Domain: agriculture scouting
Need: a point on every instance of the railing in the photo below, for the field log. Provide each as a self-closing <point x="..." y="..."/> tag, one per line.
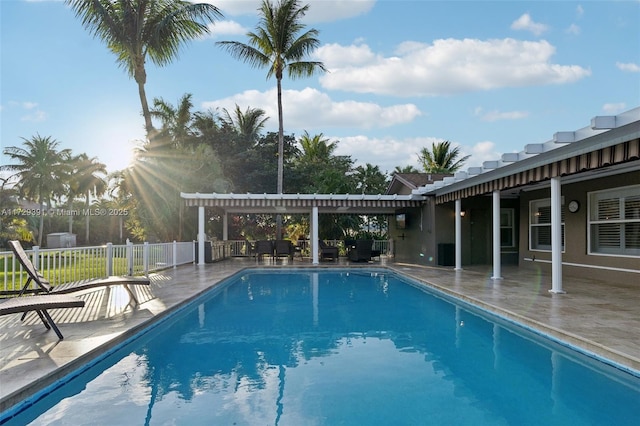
<point x="243" y="248"/>
<point x="79" y="263"/>
<point x="73" y="264"/>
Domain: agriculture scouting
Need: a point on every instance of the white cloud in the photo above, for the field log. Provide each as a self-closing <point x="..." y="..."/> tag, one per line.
<point x="614" y="108"/>
<point x="527" y="24"/>
<point x="579" y="11"/>
<point x="35" y="116"/>
<point x="629" y="67"/>
<point x="496" y="115"/>
<point x="573" y="29"/>
<point x="389" y="153"/>
<point x="29" y="105"/>
<point x="310" y="109"/>
<point x="344" y="56"/>
<point x="445" y="67"/>
<point x="480" y="152"/>
<point x="227" y="28"/>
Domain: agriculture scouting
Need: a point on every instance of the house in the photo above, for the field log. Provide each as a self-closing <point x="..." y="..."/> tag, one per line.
<point x="569" y="205"/>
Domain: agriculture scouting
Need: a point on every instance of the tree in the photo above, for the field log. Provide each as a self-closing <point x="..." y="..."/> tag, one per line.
<point x="177" y="121"/>
<point x="370" y="180"/>
<point x="86" y="179"/>
<point x="41" y="171"/>
<point x="441" y="158"/>
<point x="140" y="30"/>
<point x="247" y="125"/>
<point x="405" y="169"/>
<point x="277" y="45"/>
<point x="316" y="150"/>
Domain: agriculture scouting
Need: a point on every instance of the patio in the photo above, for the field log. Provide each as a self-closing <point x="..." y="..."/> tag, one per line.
<point x="594" y="315"/>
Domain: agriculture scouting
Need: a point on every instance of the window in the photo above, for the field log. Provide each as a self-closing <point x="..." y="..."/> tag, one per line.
<point x="614" y="221"/>
<point x="507" y="228"/>
<point x="540" y="225"/>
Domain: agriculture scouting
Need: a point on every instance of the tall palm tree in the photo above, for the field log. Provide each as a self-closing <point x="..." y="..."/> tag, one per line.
<point x="86" y="179"/>
<point x="41" y="171"/>
<point x="247" y="124"/>
<point x="441" y="158"/>
<point x="140" y="30"/>
<point x="278" y="45"/>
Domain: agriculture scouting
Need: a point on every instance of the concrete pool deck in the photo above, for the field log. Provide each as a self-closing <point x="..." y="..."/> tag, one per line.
<point x="601" y="318"/>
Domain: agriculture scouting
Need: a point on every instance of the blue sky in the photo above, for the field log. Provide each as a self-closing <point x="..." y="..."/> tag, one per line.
<point x="489" y="76"/>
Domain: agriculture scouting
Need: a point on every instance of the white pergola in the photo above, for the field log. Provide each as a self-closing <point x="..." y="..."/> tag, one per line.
<point x="312" y="204"/>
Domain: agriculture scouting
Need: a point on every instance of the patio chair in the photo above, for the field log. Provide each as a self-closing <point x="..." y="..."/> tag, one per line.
<point x="284" y="248"/>
<point x="361" y="251"/>
<point x="40" y="304"/>
<point x="327" y="251"/>
<point x="71" y="287"/>
<point x="264" y="247"/>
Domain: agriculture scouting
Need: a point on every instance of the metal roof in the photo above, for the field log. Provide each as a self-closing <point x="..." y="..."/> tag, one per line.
<point x="302" y="203"/>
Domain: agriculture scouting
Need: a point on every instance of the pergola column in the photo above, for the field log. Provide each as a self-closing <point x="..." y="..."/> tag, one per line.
<point x="314" y="236"/>
<point x="201" y="235"/>
<point x="556" y="236"/>
<point x="458" y="222"/>
<point x="497" y="265"/>
<point x="225" y="226"/>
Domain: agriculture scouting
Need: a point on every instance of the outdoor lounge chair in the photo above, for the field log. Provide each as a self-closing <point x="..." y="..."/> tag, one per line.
<point x="327" y="251"/>
<point x="264" y="247"/>
<point x="284" y="248"/>
<point x="361" y="251"/>
<point x="40" y="304"/>
<point x="71" y="287"/>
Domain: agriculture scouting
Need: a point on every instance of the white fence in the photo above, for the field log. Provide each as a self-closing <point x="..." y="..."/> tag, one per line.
<point x="79" y="263"/>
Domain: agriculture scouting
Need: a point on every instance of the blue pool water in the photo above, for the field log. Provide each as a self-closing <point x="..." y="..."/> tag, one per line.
<point x="338" y="347"/>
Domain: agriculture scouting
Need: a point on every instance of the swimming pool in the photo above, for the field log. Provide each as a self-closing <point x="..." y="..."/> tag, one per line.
<point x="326" y="347"/>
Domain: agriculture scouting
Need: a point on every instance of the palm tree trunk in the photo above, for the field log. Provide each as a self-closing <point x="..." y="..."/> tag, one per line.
<point x="280" y="156"/>
<point x="41" y="230"/>
<point x="70" y="215"/>
<point x="280" y="140"/>
<point x="148" y="125"/>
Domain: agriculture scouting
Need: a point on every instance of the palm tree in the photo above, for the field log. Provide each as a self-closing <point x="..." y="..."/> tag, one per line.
<point x="41" y="171"/>
<point x="140" y="30"/>
<point x="86" y="179"/>
<point x="276" y="44"/>
<point x="176" y="121"/>
<point x="441" y="158"/>
<point x="247" y="124"/>
<point x="316" y="150"/>
<point x="405" y="169"/>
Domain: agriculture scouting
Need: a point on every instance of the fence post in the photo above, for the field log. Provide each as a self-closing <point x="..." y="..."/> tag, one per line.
<point x="145" y="257"/>
<point x="175" y="253"/>
<point x="36" y="256"/>
<point x="130" y="257"/>
<point x="109" y="259"/>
